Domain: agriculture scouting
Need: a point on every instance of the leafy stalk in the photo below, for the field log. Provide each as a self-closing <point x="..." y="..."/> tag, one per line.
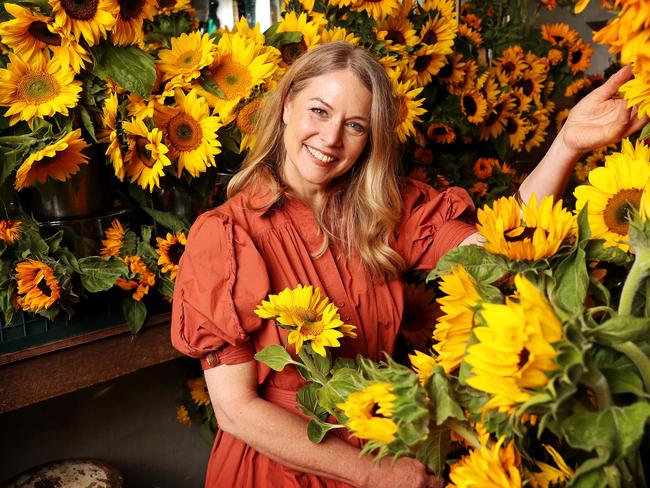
<point x="462" y="429"/>
<point x="309" y="364"/>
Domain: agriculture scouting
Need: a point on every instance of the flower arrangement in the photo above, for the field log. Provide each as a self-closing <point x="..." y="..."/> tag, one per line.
<point x="538" y="373"/>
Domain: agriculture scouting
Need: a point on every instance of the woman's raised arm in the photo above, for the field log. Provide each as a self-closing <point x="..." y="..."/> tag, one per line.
<point x="282" y="436"/>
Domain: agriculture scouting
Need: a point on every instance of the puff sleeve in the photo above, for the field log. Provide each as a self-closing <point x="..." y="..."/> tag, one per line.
<point x="432" y="223"/>
<point x="220" y="280"/>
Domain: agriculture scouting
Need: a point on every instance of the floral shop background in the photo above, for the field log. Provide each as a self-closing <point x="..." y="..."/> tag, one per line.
<point x="120" y="123"/>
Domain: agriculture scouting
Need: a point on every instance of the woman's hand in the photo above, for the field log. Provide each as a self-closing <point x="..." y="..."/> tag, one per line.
<point x="406" y="472"/>
<point x="599" y="119"/>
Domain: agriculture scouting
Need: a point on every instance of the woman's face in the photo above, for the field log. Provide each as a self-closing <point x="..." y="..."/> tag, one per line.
<point x="327" y="127"/>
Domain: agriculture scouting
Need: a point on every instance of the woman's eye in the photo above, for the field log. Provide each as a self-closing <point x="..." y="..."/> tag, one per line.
<point x="318" y="111"/>
<point x="357" y="127"/>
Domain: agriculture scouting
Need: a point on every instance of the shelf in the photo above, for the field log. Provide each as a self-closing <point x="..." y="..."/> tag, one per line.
<point x="48" y="370"/>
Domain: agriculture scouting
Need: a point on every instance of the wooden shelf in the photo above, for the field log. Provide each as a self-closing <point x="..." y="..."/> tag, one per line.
<point x="41" y="372"/>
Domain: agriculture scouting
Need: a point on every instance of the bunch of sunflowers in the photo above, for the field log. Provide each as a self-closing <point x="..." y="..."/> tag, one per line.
<point x="538" y="370"/>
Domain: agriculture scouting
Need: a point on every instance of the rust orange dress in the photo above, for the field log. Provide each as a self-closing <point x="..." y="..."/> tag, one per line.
<point x="236" y="256"/>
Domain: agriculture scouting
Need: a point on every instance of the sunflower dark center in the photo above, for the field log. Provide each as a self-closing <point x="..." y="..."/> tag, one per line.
<point x="558" y="39"/>
<point x="519" y="234"/>
<point x="145" y="154"/>
<point x="80" y="9"/>
<point x="39" y="30"/>
<point x="494" y="115"/>
<point x="37" y="88"/>
<point x="441" y="131"/>
<point x="292" y="51"/>
<point x="469" y="104"/>
<point x="44" y="288"/>
<point x="166" y="3"/>
<point x="524" y="355"/>
<point x="526" y="85"/>
<point x="446" y="71"/>
<point x="374" y="411"/>
<point x="576" y="56"/>
<point x="175" y="252"/>
<point x="508" y="67"/>
<point x="512" y="126"/>
<point x="396" y="36"/>
<point x="422" y="63"/>
<point x="130" y="9"/>
<point x="430" y="37"/>
<point x="184" y="132"/>
<point x="618" y="209"/>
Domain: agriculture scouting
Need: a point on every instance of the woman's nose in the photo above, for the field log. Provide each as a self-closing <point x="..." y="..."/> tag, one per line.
<point x="331" y="133"/>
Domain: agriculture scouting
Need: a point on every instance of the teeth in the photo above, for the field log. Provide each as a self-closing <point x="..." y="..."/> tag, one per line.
<point x="319" y="155"/>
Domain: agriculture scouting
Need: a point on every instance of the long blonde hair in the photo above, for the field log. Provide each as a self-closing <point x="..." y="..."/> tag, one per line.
<point x="363" y="205"/>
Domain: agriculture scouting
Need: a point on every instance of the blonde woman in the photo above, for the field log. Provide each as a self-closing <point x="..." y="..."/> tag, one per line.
<point x="319" y="202"/>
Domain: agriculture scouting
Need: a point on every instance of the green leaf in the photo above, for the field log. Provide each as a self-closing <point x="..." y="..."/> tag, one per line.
<point x="317" y="428"/>
<point x="275" y="357"/>
<point x="54" y="242"/>
<point x="278" y="39"/>
<point x="165" y="286"/>
<point x="343" y="382"/>
<point x="621" y="328"/>
<point x="308" y="401"/>
<point x="645" y="133"/>
<point x="168" y="220"/>
<point x="211" y="86"/>
<point x="9" y="160"/>
<point x="99" y="274"/>
<point x="484" y="266"/>
<point x="433" y="452"/>
<point x="596" y="251"/>
<point x="129" y="67"/>
<point x="572" y="281"/>
<point x="87" y="121"/>
<point x="5" y="303"/>
<point x="625" y="380"/>
<point x="135" y="313"/>
<point x="584" y="231"/>
<point x="444" y="403"/>
<point x="617" y="430"/>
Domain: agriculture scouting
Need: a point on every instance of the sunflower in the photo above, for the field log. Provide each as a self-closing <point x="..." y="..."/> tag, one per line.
<point x="536" y="235"/>
<point x="531" y="83"/>
<point x="444" y="8"/>
<point x="189" y="54"/>
<point x="441" y="133"/>
<point x="555" y="56"/>
<point x="90" y="19"/>
<point x="190" y="132"/>
<point x="10" y="230"/>
<point x="474" y="106"/>
<point x="613" y="191"/>
<point x="454" y="328"/>
<point x="338" y="34"/>
<point x="539" y="121"/>
<point x="439" y="32"/>
<point x="474" y="37"/>
<point x="112" y="245"/>
<point x="143" y="278"/>
<point x="39" y="88"/>
<point x="493" y="466"/>
<point x="29" y="33"/>
<point x="479" y="189"/>
<point x="637" y="92"/>
<point x="550" y="475"/>
<point x="130" y="18"/>
<point x="199" y="391"/>
<point x="510" y="65"/>
<point x="559" y="34"/>
<point x="377" y="9"/>
<point x="483" y="167"/>
<point x="467" y="80"/>
<point x="168" y="7"/>
<point x="579" y="56"/>
<point x="290" y="22"/>
<point x="247" y="121"/>
<point x="170" y="249"/>
<point x="517" y="128"/>
<point x="410" y="108"/>
<point x="38" y="286"/>
<point x="183" y="416"/>
<point x="514" y="350"/>
<point x="110" y="135"/>
<point x="308" y="316"/>
<point x="452" y="73"/>
<point x="397" y="32"/>
<point x="425" y="63"/>
<point x="497" y="117"/>
<point x="422" y="364"/>
<point x="472" y="20"/>
<point x="370" y="412"/>
<point x="239" y="67"/>
<point x="58" y="161"/>
<point x="146" y="156"/>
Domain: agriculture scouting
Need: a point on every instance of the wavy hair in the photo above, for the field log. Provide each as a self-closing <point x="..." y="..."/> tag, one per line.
<point x="361" y="207"/>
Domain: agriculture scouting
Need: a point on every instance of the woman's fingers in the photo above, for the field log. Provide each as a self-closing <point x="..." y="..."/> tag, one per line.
<point x="608" y="89"/>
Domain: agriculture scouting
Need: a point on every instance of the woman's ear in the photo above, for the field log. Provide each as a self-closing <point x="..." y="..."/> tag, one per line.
<point x="286" y="111"/>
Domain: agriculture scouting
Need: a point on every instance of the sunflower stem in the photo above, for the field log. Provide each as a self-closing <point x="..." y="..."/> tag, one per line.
<point x="309" y="364"/>
<point x="638" y="272"/>
<point x="597" y="382"/>
<point x="463" y="430"/>
<point x="639" y="358"/>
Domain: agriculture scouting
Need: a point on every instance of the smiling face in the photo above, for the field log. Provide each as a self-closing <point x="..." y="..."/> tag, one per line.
<point x="327" y="125"/>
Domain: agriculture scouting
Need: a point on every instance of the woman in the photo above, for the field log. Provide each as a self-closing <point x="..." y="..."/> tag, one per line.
<point x="318" y="202"/>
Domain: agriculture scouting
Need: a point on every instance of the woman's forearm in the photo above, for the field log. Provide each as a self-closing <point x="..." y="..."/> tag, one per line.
<point x="551" y="175"/>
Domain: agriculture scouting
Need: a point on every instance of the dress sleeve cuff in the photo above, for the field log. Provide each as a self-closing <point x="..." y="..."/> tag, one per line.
<point x="241" y="353"/>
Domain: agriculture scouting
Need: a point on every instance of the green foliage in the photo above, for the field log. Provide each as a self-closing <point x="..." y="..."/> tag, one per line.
<point x="129" y="66"/>
<point x="135" y="314"/>
<point x="99" y="274"/>
<point x="275" y="357"/>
